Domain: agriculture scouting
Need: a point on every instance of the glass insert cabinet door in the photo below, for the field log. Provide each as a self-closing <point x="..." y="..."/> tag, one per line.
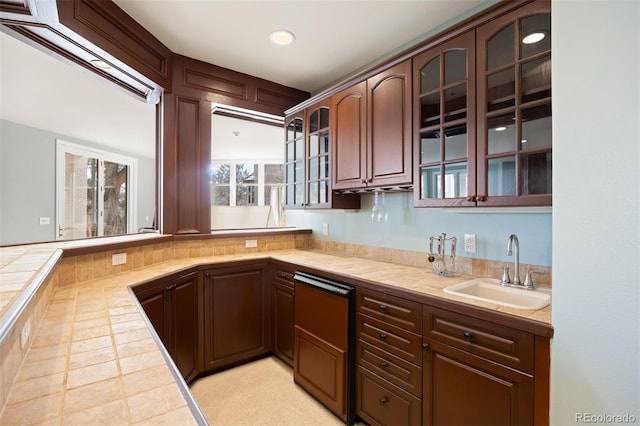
<point x="318" y="156"/>
<point x="294" y="162"/>
<point x="444" y="80"/>
<point x="514" y="108"/>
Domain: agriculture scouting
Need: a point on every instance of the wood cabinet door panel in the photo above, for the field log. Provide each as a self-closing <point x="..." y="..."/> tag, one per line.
<point x="468" y="390"/>
<point x="235" y="315"/>
<point x="283" y="317"/>
<point x="389" y="126"/>
<point x="349" y="120"/>
<point x="154" y="308"/>
<point x="184" y="325"/>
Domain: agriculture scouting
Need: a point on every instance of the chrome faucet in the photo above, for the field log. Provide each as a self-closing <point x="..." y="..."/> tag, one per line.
<point x="513" y="241"/>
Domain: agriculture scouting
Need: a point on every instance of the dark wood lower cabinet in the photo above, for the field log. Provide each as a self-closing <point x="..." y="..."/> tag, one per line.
<point x="379" y="402"/>
<point x="283" y="313"/>
<point x="465" y="389"/>
<point x="235" y="315"/>
<point x="171" y="305"/>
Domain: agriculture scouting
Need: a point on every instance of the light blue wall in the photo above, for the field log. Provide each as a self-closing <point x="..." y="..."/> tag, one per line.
<point x="409" y="228"/>
<point x="27" y="183"/>
<point x="595" y="357"/>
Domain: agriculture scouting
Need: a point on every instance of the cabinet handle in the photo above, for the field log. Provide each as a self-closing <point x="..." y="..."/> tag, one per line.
<point x="383" y="364"/>
<point x="382" y="307"/>
<point x="467" y="335"/>
<point x="481" y="198"/>
<point x="207" y="274"/>
<point x="383" y="336"/>
<point x="171" y="287"/>
<point x="383" y="400"/>
<point x="471" y="198"/>
<point x="425" y="346"/>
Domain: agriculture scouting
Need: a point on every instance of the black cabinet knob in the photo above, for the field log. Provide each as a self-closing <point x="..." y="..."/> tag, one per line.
<point x="383" y="336"/>
<point x="384" y="400"/>
<point x="382" y="308"/>
<point x="467" y="335"/>
<point x="383" y="364"/>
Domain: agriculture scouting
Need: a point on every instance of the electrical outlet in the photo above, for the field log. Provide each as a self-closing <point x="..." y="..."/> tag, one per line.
<point x="469" y="243"/>
<point x="26" y="332"/>
<point x="118" y="259"/>
<point x="45" y="220"/>
<point x="325" y="229"/>
<point x="251" y="243"/>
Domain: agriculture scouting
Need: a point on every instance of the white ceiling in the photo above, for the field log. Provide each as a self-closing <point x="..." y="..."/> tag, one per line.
<point x="334" y="38"/>
<point x="38" y="90"/>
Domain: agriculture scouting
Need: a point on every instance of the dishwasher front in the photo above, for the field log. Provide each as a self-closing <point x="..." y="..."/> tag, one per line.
<point x="324" y="342"/>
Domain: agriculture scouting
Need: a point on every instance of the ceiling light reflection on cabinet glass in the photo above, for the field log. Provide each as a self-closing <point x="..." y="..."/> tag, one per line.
<point x="533" y="37"/>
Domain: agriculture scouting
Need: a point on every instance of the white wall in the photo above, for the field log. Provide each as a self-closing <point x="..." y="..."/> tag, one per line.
<point x="596" y="234"/>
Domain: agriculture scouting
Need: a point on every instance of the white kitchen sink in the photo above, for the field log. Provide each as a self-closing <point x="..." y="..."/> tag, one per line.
<point x="490" y="290"/>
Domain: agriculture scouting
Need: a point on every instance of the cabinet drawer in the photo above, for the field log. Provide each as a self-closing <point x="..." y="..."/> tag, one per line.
<point x="502" y="344"/>
<point x="390" y="367"/>
<point x="397" y="341"/>
<point x="283" y="276"/>
<point x="394" y="310"/>
<point x="380" y="403"/>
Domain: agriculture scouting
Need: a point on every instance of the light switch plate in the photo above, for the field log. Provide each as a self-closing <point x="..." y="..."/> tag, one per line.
<point x="251" y="243"/>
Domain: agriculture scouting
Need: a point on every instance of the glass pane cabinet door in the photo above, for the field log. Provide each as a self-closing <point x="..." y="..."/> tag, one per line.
<point x="514" y="96"/>
<point x="294" y="163"/>
<point x="444" y="79"/>
<point x="318" y="156"/>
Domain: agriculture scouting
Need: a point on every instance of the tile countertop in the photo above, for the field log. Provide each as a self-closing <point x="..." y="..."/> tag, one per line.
<point x="94" y="359"/>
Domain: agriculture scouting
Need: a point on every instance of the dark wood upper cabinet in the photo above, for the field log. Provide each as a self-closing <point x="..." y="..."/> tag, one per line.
<point x="514" y="108"/>
<point x="309" y="155"/>
<point x="444" y="121"/>
<point x="372" y="131"/>
<point x="482" y="115"/>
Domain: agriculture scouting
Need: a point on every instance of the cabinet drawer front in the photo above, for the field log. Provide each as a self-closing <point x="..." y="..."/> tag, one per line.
<point x="283" y="276"/>
<point x="402" y="343"/>
<point x="381" y="403"/>
<point x="390" y="367"/>
<point x="505" y="345"/>
<point x="394" y="310"/>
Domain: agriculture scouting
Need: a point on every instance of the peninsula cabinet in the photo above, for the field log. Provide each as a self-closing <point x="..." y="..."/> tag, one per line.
<point x="171" y="304"/>
<point x="372" y="134"/>
<point x="236" y="313"/>
<point x="482" y="114"/>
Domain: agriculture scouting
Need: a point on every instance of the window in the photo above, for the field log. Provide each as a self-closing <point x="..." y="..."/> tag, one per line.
<point x="95" y="192"/>
<point x="247" y="169"/>
<point x="250" y="184"/>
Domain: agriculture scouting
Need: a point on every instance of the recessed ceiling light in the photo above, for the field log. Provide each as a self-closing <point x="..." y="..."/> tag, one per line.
<point x="500" y="129"/>
<point x="282" y="37"/>
<point x="100" y="64"/>
<point x="533" y="38"/>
